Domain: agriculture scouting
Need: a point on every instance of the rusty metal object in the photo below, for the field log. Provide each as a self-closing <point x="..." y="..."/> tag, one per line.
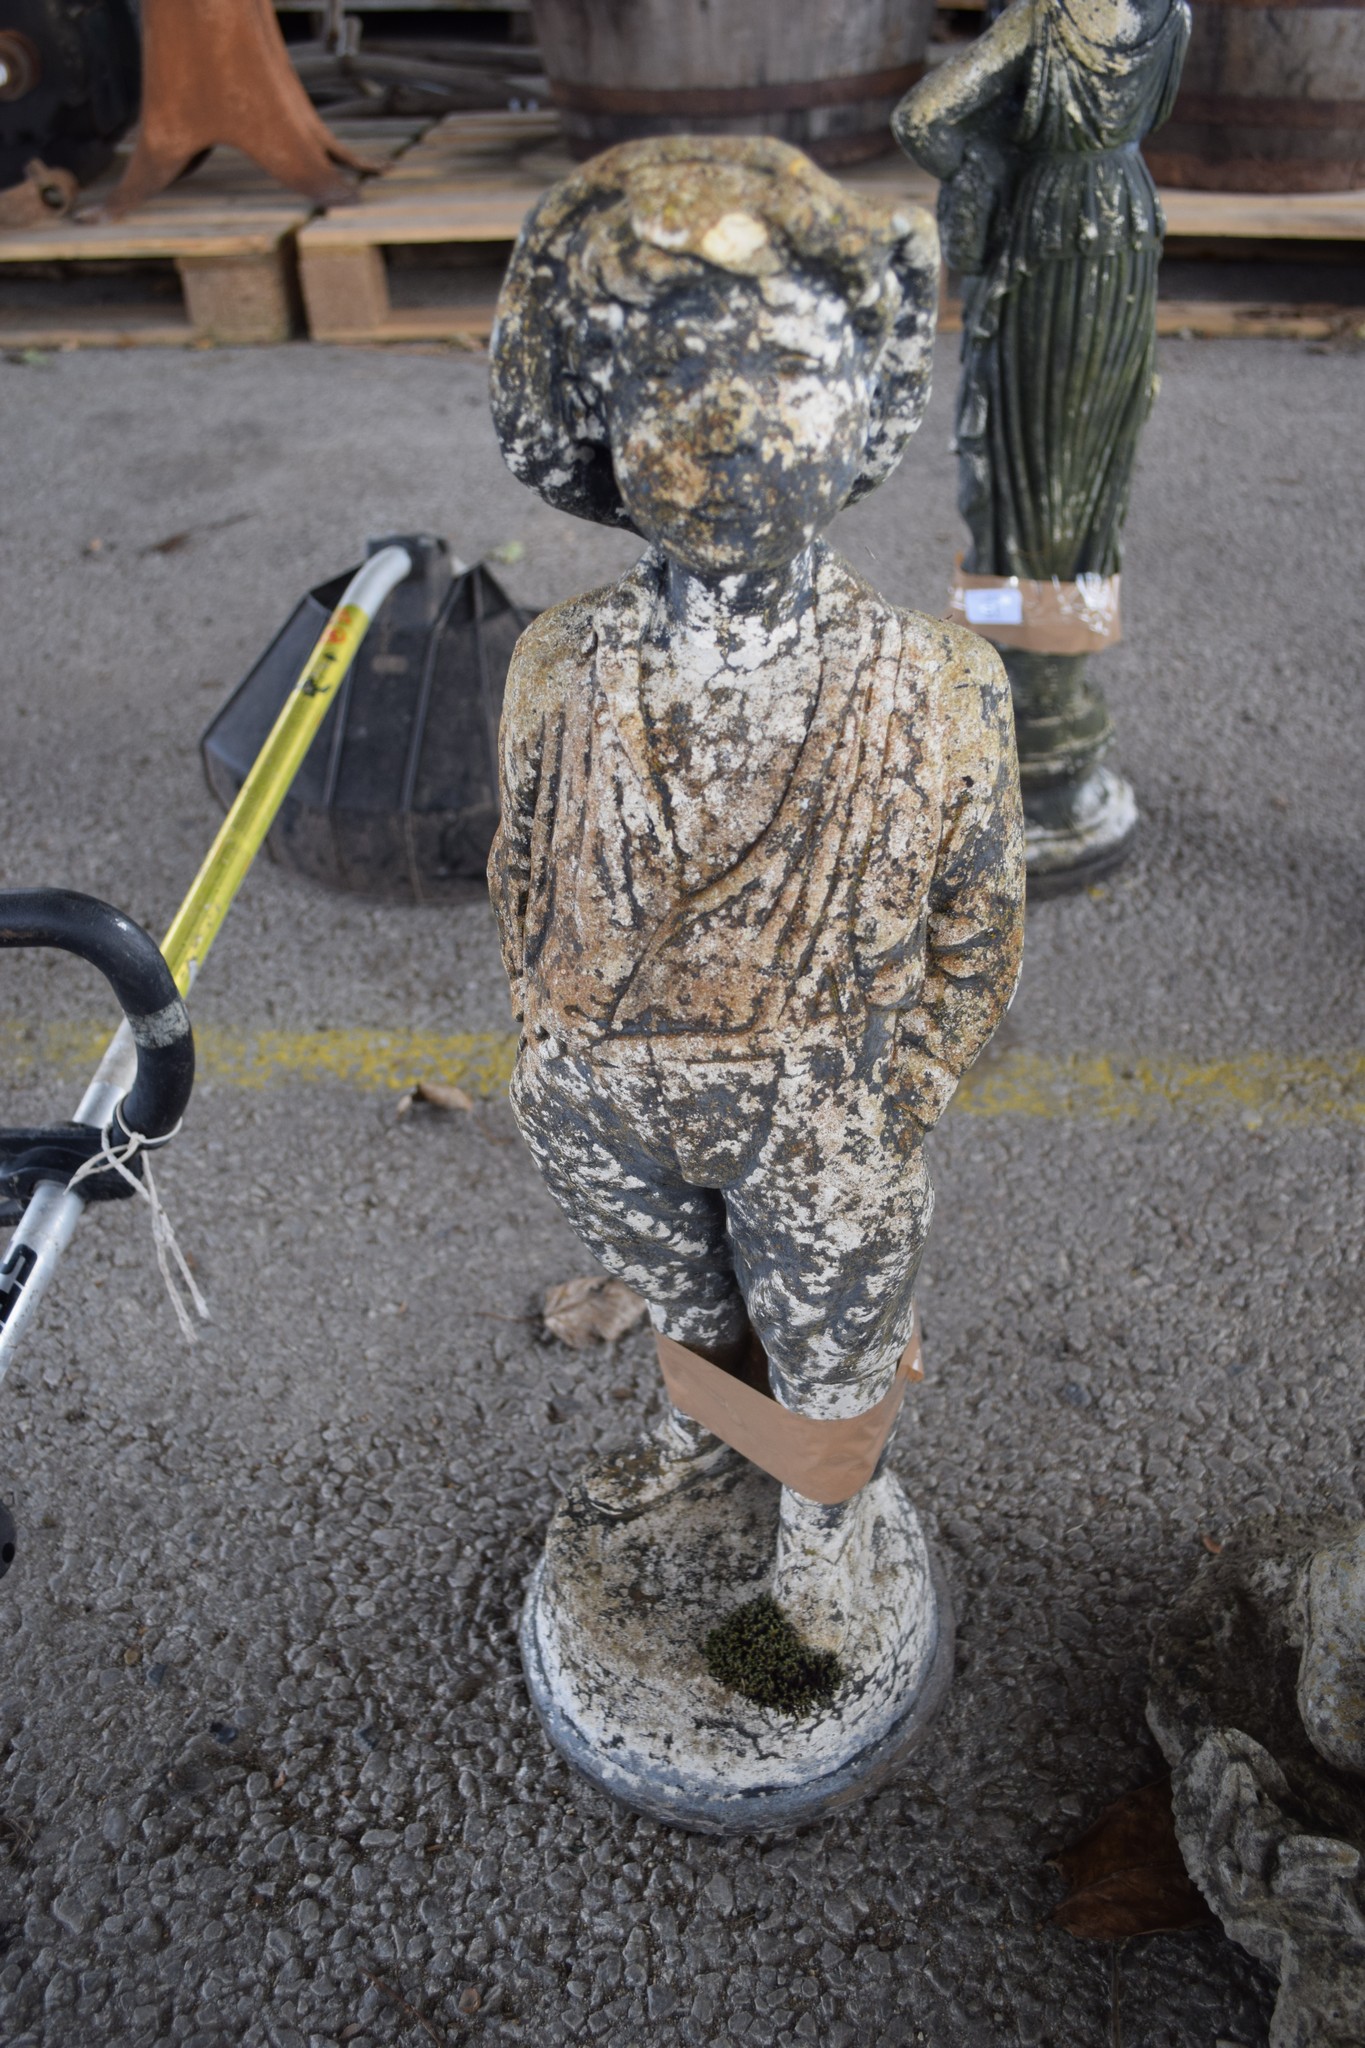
<point x="43" y="195"/>
<point x="219" y="73"/>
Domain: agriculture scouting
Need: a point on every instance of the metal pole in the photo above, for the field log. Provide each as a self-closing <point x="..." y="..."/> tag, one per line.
<point x="48" y="1223"/>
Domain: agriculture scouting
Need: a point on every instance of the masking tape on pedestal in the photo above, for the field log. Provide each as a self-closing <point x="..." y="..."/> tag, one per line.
<point x="1042" y="617"/>
<point x="822" y="1461"/>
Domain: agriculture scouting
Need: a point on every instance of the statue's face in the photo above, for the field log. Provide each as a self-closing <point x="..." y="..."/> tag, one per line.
<point x="738" y="420"/>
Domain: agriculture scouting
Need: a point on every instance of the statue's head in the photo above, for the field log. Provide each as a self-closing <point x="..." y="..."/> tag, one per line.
<point x="709" y="341"/>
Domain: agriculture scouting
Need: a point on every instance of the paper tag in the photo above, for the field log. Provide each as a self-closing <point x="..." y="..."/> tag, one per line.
<point x="1003" y="607"/>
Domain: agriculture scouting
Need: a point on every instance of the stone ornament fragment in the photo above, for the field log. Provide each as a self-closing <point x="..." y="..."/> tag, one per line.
<point x="758" y="881"/>
<point x="1050" y="215"/>
<point x="1258" y="1700"/>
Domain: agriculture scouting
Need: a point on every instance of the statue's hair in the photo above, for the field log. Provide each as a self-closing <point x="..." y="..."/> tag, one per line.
<point x="640" y="223"/>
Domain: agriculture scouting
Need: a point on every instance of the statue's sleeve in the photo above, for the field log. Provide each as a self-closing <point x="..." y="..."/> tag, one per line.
<point x="974" y="931"/>
<point x="971" y="97"/>
<point x="526" y="707"/>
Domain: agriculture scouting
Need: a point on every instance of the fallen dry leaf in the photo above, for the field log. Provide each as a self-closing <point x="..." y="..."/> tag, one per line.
<point x="592" y="1310"/>
<point x="1125" y="1873"/>
<point x="443" y="1095"/>
<point x="439" y="1094"/>
<point x="174" y="543"/>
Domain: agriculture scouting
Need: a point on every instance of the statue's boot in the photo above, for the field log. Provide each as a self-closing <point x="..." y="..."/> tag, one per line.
<point x="678" y="1454"/>
<point x="681" y="1451"/>
<point x="823" y="1557"/>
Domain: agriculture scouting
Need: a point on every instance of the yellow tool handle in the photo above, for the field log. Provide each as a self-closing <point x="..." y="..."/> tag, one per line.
<point x="54" y="1210"/>
<point x="196" y="923"/>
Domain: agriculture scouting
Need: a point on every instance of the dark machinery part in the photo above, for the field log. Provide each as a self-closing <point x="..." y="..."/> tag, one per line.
<point x="398" y="795"/>
<point x="353" y="70"/>
<point x="7" y="1539"/>
<point x="21" y="67"/>
<point x="131" y="962"/>
<point x="69" y="80"/>
<point x="43" y="194"/>
<point x="28" y="1157"/>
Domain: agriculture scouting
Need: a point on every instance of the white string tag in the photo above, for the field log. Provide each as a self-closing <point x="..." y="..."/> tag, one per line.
<point x="163" y="1236"/>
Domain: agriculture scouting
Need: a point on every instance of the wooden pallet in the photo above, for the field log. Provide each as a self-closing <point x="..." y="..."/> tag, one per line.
<point x="464" y="190"/>
<point x="458" y="198"/>
<point x="422" y="256"/>
<point x="211" y="260"/>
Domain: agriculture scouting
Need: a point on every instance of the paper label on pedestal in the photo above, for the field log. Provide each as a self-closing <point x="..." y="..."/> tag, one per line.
<point x="1043" y="615"/>
<point x="1003" y="607"/>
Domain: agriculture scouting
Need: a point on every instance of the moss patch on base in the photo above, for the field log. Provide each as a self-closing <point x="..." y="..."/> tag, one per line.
<point x="756" y="1652"/>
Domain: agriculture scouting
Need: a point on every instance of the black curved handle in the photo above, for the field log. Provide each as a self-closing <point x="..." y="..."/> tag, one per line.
<point x="131" y="962"/>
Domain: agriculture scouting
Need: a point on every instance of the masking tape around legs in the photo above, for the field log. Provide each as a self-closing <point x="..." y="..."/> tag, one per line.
<point x="822" y="1461"/>
<point x="1047" y="616"/>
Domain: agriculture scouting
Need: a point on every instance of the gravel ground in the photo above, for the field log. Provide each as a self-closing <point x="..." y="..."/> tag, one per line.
<point x="270" y="1776"/>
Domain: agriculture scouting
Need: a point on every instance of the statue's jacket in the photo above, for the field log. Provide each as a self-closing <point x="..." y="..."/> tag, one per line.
<point x="884" y="894"/>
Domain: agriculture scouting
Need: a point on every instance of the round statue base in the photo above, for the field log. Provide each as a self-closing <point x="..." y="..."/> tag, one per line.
<point x="1073" y="835"/>
<point x="612" y="1641"/>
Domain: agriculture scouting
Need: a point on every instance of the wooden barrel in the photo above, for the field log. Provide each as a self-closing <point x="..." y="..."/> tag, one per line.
<point x="1272" y="99"/>
<point x="819" y="74"/>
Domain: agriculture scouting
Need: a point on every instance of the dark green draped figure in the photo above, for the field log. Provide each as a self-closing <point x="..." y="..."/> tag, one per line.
<point x="1049" y="212"/>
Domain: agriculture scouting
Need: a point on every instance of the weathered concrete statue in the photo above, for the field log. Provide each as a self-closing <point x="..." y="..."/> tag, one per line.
<point x="1051" y="215"/>
<point x="759" y="881"/>
<point x="1258" y="1701"/>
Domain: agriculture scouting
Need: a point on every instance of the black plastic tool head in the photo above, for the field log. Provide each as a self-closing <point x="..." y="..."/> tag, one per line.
<point x="398" y="794"/>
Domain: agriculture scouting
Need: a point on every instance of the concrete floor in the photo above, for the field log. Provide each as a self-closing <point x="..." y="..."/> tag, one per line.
<point x="270" y="1776"/>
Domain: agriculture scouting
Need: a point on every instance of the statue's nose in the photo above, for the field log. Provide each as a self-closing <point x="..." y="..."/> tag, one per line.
<point x="727" y="423"/>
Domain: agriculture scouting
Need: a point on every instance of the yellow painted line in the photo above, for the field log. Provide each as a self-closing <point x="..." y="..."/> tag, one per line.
<point x="1257" y="1087"/>
<point x="1253" y="1087"/>
<point x="478" y="1060"/>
